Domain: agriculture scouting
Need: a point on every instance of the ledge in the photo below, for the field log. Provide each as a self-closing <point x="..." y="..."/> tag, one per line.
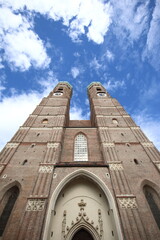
<point x="80" y="164"/>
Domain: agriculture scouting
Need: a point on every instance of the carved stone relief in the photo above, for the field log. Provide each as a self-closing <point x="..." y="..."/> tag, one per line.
<point x="116" y="166"/>
<point x="147" y="144"/>
<point x="12" y="145"/>
<point x="45" y="169"/>
<point x="52" y="145"/>
<point x="128" y="202"/>
<point x="83" y="219"/>
<point x="135" y="127"/>
<point x="109" y="145"/>
<point x="35" y="204"/>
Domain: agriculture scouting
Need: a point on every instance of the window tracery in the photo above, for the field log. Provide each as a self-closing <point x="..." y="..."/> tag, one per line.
<point x="80" y="148"/>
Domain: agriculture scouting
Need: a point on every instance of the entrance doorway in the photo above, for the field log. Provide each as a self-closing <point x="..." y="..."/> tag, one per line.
<point x="82" y="235"/>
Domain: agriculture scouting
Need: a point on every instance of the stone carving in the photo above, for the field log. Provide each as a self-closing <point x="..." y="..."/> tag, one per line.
<point x="52" y="145"/>
<point x="100" y="223"/>
<point x="109" y="145"/>
<point x="46" y="169"/>
<point x="82" y="218"/>
<point x="24" y="128"/>
<point x="135" y="127"/>
<point x="128" y="202"/>
<point x="115" y="166"/>
<point x="35" y="204"/>
<point x="147" y="144"/>
<point x="82" y="204"/>
<point x="12" y="145"/>
<point x="64" y="223"/>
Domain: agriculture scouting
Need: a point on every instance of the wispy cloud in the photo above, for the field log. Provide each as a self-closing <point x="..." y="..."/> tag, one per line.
<point x="75" y="72"/>
<point x="134" y="20"/>
<point x="152" y="49"/>
<point x="150" y="92"/>
<point x="18" y="107"/>
<point x="150" y="126"/>
<point x="95" y="64"/>
<point x="108" y="55"/>
<point x="130" y="18"/>
<point x="112" y="85"/>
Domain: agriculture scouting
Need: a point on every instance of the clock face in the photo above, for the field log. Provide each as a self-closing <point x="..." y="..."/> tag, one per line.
<point x="58" y="94"/>
<point x="101" y="94"/>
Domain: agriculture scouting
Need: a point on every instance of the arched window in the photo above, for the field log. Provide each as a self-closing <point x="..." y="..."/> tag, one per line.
<point x="6" y="206"/>
<point x="154" y="203"/>
<point x="45" y="120"/>
<point x="80" y="148"/>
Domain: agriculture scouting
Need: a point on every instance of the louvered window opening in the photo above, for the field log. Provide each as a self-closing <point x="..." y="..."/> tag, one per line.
<point x="80" y="148"/>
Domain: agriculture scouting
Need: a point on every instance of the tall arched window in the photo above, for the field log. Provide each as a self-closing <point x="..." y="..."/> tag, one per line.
<point x="80" y="148"/>
<point x="154" y="203"/>
<point x="6" y="206"/>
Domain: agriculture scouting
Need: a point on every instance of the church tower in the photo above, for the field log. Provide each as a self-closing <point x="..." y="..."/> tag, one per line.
<point x="63" y="179"/>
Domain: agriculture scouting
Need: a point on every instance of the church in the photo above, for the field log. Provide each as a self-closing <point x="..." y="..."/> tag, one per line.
<point x="63" y="179"/>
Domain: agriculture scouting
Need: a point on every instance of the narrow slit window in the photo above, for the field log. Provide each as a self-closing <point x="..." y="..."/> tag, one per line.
<point x="80" y="148"/>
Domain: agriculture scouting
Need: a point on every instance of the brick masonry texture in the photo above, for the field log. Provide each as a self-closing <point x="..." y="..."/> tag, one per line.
<point x="41" y="154"/>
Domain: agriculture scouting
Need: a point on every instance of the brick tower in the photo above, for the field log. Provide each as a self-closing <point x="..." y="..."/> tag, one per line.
<point x="94" y="179"/>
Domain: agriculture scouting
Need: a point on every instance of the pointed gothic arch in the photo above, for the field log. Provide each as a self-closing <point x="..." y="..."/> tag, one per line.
<point x="99" y="183"/>
<point x="7" y="204"/>
<point x="88" y="233"/>
<point x="153" y="200"/>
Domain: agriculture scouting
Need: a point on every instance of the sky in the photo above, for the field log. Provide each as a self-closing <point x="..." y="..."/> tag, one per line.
<point x="113" y="42"/>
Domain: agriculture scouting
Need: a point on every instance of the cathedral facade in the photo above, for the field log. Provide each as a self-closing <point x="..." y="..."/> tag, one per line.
<point x="63" y="179"/>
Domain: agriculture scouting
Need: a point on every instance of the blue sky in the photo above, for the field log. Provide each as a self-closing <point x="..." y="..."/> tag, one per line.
<point x="113" y="42"/>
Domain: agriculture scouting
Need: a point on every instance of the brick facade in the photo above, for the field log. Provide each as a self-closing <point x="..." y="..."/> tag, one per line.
<point x="41" y="155"/>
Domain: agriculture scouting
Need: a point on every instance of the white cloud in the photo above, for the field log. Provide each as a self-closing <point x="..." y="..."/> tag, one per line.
<point x="15" y="109"/>
<point x="95" y="64"/>
<point x="2" y="84"/>
<point x="87" y="102"/>
<point x="133" y="20"/>
<point x="113" y="85"/>
<point x="93" y="15"/>
<point x="151" y="92"/>
<point x="90" y="17"/>
<point x="109" y="55"/>
<point x="152" y="50"/>
<point x="130" y="18"/>
<point x="22" y="47"/>
<point x="76" y="113"/>
<point x="76" y="54"/>
<point x="150" y="126"/>
<point x="1" y="64"/>
<point x="75" y="72"/>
